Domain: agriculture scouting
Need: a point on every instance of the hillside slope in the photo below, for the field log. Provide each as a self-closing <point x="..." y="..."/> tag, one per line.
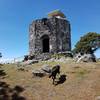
<point x="82" y="82"/>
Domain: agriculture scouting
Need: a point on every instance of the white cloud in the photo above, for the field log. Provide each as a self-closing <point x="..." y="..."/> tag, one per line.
<point x="10" y="60"/>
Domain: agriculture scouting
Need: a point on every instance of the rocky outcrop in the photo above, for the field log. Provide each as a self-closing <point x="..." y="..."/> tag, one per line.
<point x="85" y="58"/>
<point x="28" y="62"/>
<point x="43" y="56"/>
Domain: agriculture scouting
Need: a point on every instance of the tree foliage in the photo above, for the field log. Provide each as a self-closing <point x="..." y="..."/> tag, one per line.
<point x="88" y="43"/>
<point x="0" y="54"/>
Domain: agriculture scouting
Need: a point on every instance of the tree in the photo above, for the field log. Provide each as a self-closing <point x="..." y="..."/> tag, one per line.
<point x="0" y="54"/>
<point x="88" y="43"/>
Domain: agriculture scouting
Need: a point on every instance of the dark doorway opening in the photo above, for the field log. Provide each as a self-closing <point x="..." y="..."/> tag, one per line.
<point x="45" y="43"/>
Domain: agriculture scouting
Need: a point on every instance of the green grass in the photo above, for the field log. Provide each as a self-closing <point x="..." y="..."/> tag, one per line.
<point x="57" y="56"/>
<point x="81" y="73"/>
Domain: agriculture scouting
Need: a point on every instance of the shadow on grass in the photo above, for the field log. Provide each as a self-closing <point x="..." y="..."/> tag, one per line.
<point x="2" y="73"/>
<point x="7" y="93"/>
<point x="61" y="80"/>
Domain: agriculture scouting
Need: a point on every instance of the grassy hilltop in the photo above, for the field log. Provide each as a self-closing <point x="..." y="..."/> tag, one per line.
<point x="82" y="82"/>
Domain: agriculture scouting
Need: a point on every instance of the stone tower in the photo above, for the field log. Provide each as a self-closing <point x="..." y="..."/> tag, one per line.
<point x="50" y="35"/>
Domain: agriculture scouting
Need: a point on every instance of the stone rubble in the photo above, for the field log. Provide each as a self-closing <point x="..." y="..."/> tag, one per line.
<point x="85" y="58"/>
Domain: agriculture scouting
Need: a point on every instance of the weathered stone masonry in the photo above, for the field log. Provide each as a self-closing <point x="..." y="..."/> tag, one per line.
<point x="50" y="35"/>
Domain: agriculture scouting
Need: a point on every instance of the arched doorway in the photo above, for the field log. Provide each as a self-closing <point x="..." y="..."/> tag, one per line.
<point x="45" y="43"/>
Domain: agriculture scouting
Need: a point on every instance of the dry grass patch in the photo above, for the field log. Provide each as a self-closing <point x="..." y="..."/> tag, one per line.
<point x="82" y="83"/>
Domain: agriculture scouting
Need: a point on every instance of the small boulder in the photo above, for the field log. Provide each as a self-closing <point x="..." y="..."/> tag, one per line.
<point x="97" y="98"/>
<point x="29" y="62"/>
<point x="38" y="73"/>
<point x="46" y="68"/>
<point x="43" y="71"/>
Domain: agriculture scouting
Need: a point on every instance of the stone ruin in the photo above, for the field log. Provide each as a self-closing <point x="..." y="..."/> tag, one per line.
<point x="50" y="35"/>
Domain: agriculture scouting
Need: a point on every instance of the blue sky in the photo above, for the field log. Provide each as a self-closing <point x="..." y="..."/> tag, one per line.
<point x="16" y="15"/>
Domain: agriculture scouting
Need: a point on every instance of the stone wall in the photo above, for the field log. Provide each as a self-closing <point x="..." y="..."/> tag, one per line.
<point x="56" y="29"/>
